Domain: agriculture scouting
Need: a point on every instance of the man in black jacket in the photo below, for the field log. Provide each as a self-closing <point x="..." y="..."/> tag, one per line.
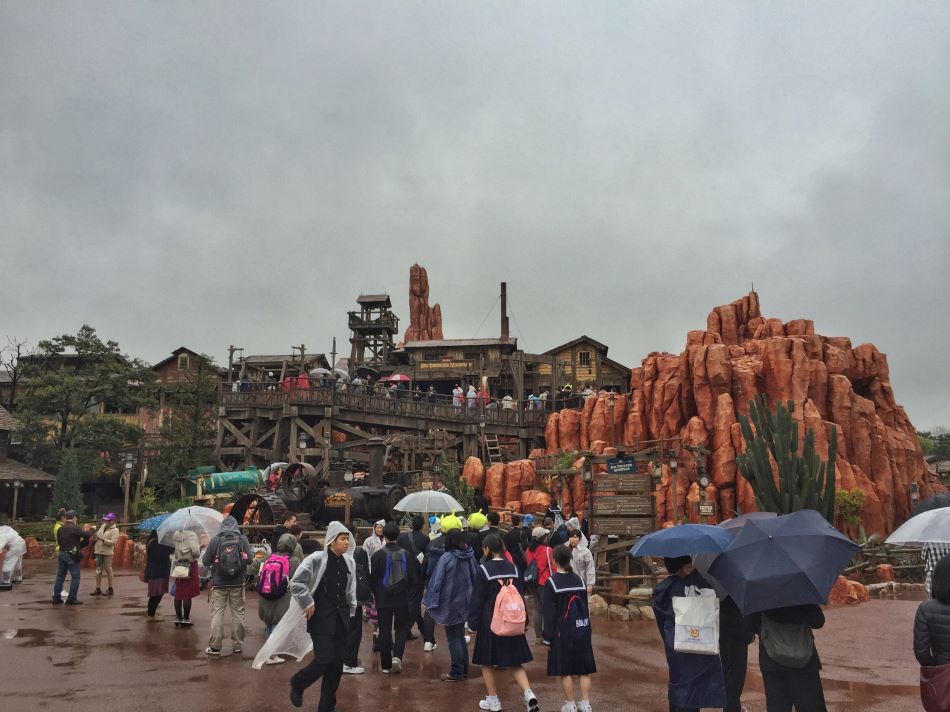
<point x="71" y="539"/>
<point x="417" y="544"/>
<point x="513" y="543"/>
<point x="283" y="528"/>
<point x="792" y="686"/>
<point x="391" y="578"/>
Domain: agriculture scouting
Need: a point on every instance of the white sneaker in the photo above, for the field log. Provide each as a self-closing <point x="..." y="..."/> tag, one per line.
<point x="492" y="706"/>
<point x="353" y="670"/>
<point x="568" y="707"/>
<point x="397" y="665"/>
<point x="429" y="647"/>
<point x="468" y="639"/>
<point x="274" y="660"/>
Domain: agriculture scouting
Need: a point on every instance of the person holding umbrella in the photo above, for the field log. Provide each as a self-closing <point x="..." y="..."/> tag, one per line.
<point x="789" y="659"/>
<point x="695" y="680"/>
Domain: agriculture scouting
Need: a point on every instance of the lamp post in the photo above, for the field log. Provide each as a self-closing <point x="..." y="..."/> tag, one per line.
<point x="613" y="434"/>
<point x="302" y="446"/>
<point x="17" y="484"/>
<point x="673" y="466"/>
<point x="126" y="480"/>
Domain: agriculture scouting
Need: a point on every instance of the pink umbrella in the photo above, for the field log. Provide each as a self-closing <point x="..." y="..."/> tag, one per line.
<point x="396" y="378"/>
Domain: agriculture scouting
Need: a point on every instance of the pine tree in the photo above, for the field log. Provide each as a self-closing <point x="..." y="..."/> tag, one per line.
<point x="66" y="492"/>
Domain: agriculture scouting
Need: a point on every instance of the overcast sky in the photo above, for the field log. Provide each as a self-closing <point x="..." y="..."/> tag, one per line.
<point x="208" y="173"/>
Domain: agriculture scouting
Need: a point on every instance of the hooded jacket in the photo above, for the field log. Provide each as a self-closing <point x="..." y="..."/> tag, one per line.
<point x="374" y="543"/>
<point x="229" y="527"/>
<point x="271" y="611"/>
<point x="290" y="637"/>
<point x="449" y="592"/>
<point x="187" y="546"/>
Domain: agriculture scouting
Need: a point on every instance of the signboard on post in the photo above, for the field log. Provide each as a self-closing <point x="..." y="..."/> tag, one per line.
<point x="706" y="509"/>
<point x="621" y="465"/>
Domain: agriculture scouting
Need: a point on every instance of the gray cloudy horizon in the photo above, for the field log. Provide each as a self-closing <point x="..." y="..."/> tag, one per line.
<point x="205" y="174"/>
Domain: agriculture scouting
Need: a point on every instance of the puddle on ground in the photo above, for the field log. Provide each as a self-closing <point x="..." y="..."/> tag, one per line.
<point x="31" y="637"/>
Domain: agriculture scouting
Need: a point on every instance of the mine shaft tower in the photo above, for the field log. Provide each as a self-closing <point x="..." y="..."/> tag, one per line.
<point x="373" y="328"/>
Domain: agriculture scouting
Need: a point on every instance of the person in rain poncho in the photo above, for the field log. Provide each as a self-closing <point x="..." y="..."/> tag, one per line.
<point x="318" y="618"/>
<point x="447" y="599"/>
<point x="575" y="523"/>
<point x="374" y="542"/>
<point x="582" y="561"/>
<point x="470" y="397"/>
<point x="15" y="546"/>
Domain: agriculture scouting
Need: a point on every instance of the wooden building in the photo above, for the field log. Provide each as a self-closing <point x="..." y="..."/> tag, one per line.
<point x="583" y="362"/>
<point x="24" y="489"/>
<point x="448" y="362"/>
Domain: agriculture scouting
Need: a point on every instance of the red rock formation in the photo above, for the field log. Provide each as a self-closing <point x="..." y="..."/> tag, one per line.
<point x="535" y="501"/>
<point x="697" y="397"/>
<point x="425" y="323"/>
<point x="473" y="472"/>
<point x="33" y="549"/>
<point x="495" y="485"/>
<point x="846" y="592"/>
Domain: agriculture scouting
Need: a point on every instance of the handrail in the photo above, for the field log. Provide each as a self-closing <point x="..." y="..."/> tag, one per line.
<point x="398" y="402"/>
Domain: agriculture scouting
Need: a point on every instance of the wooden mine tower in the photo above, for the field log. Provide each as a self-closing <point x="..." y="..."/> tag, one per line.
<point x="373" y="328"/>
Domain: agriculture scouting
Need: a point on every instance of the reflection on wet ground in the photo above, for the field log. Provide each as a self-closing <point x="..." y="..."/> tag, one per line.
<point x="865" y="650"/>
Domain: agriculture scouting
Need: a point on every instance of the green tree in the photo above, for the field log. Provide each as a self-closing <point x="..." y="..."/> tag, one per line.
<point x="936" y="443"/>
<point x="804" y="481"/>
<point x="69" y="391"/>
<point x="66" y="492"/>
<point x="188" y="434"/>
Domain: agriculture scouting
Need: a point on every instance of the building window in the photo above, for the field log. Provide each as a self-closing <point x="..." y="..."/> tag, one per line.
<point x="429" y="356"/>
<point x="471" y="355"/>
<point x="584" y="358"/>
<point x="182" y="362"/>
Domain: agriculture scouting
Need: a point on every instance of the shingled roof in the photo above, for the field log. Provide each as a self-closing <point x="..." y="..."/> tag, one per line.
<point x="7" y="421"/>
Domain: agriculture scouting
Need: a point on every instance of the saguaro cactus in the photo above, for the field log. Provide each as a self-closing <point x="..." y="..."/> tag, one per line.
<point x="804" y="481"/>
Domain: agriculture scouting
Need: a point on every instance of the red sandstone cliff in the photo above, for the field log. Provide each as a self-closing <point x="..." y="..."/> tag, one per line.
<point x="425" y="323"/>
<point x="696" y="398"/>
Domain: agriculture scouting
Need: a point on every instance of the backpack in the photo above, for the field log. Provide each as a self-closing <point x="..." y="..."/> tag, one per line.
<point x="509" y="617"/>
<point x="531" y="572"/>
<point x="394" y="579"/>
<point x="574" y="627"/>
<point x="231" y="561"/>
<point x="364" y="592"/>
<point x="788" y="644"/>
<point x="272" y="581"/>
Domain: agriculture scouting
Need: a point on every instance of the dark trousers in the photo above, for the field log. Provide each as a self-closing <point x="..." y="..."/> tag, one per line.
<point x="455" y="636"/>
<point x="66" y="564"/>
<point x="538" y="613"/>
<point x="389" y="647"/>
<point x="353" y="638"/>
<point x="735" y="659"/>
<point x="426" y="627"/>
<point x="327" y="663"/>
<point x="183" y="609"/>
<point x="153" y="602"/>
<point x="799" y="688"/>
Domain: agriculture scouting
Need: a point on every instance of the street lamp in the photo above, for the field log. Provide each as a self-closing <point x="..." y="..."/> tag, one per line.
<point x="613" y="434"/>
<point x="17" y="484"/>
<point x="348" y="473"/>
<point x="302" y="445"/>
<point x="673" y="466"/>
<point x="126" y="480"/>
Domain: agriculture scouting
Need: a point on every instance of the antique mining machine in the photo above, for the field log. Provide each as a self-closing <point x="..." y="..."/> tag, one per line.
<point x="341" y="495"/>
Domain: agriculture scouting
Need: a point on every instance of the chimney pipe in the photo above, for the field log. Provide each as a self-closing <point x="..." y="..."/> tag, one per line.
<point x="504" y="311"/>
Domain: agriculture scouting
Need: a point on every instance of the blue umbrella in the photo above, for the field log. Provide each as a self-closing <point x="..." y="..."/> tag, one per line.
<point x="683" y="540"/>
<point x="153" y="523"/>
<point x="785" y="561"/>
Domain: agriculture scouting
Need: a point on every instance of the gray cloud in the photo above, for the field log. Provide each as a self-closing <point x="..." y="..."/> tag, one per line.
<point x="199" y="174"/>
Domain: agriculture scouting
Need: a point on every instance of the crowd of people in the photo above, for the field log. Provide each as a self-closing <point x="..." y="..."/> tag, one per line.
<point x="471" y="578"/>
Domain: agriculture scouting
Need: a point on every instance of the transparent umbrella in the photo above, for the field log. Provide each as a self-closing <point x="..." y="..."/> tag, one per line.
<point x="428" y="501"/>
<point x="203" y="521"/>
<point x="932" y="526"/>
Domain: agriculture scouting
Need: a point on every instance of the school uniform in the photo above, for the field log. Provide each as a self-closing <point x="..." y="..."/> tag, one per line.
<point x="491" y="649"/>
<point x="563" y="658"/>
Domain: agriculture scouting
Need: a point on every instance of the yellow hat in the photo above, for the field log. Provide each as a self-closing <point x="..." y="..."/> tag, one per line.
<point x="476" y="520"/>
<point x="450" y="521"/>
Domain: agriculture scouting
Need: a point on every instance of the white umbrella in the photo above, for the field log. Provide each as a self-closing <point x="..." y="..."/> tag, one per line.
<point x="428" y="501"/>
<point x="932" y="526"/>
<point x="203" y="521"/>
<point x="342" y="375"/>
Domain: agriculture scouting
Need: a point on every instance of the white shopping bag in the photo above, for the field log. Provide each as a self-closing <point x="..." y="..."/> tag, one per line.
<point x="696" y="622"/>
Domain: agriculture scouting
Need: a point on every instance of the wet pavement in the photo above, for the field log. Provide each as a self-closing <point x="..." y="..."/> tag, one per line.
<point x="103" y="655"/>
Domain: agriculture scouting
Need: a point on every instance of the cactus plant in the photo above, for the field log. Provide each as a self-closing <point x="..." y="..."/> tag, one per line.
<point x="804" y="481"/>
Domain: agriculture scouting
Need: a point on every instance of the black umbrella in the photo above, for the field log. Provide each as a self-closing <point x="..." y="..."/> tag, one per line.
<point x="786" y="561"/>
<point x="365" y="371"/>
<point x="938" y="501"/>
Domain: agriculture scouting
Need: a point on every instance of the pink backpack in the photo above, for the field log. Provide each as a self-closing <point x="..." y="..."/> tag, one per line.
<point x="509" y="616"/>
<point x="272" y="582"/>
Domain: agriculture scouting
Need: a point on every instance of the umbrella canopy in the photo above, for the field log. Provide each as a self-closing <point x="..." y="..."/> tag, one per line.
<point x="320" y="371"/>
<point x="273" y="466"/>
<point x="783" y="561"/>
<point x="428" y="501"/>
<point x="341" y="374"/>
<point x="740" y="521"/>
<point x="153" y="523"/>
<point x="365" y="371"/>
<point x="396" y="378"/>
<point x="683" y="540"/>
<point x="932" y="526"/>
<point x="203" y="521"/>
<point x="938" y="501"/>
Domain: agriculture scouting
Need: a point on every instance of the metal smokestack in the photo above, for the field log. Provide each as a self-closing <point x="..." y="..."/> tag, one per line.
<point x="504" y="311"/>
